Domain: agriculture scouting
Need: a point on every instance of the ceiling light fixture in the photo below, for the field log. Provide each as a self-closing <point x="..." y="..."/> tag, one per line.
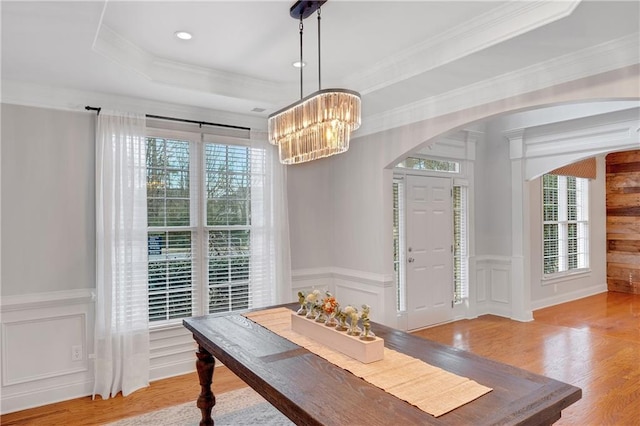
<point x="320" y="124"/>
<point x="298" y="64"/>
<point x="183" y="35"/>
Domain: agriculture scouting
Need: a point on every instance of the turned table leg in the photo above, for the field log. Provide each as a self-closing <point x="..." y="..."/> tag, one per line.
<point x="206" y="400"/>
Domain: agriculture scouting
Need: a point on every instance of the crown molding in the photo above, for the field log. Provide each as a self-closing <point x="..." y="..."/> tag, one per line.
<point x="608" y="56"/>
<point x="495" y="26"/>
<point x="122" y="51"/>
<point x="28" y="94"/>
<point x="488" y="29"/>
<point x="605" y="57"/>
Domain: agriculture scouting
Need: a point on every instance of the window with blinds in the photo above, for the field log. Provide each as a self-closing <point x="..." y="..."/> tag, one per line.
<point x="228" y="190"/>
<point x="565" y="236"/>
<point x="398" y="243"/>
<point x="460" y="244"/>
<point x="199" y="226"/>
<point x="170" y="236"/>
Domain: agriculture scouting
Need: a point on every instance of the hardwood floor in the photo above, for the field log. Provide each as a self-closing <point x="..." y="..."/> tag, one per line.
<point x="593" y="343"/>
<point x="85" y="412"/>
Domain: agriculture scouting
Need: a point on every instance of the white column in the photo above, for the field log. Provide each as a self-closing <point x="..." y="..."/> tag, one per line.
<point x="472" y="139"/>
<point x="520" y="229"/>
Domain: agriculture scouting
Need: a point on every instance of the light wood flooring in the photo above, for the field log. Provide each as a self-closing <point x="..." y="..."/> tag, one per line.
<point x="593" y="343"/>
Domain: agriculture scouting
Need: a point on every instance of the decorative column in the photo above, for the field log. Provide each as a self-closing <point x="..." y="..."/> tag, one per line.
<point x="472" y="138"/>
<point x="520" y="229"/>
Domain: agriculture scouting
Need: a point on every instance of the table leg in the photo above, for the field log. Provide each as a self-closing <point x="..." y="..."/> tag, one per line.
<point x="206" y="400"/>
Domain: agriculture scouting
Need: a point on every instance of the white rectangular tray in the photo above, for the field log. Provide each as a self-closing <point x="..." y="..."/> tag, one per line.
<point x="363" y="351"/>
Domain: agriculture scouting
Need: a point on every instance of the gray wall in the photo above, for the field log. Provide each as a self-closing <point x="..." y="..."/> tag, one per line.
<point x="48" y="213"/>
<point x="493" y="193"/>
<point x="310" y="214"/>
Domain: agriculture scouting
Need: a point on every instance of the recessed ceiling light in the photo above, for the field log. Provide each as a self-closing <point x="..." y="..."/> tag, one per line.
<point x="298" y="64"/>
<point x="183" y="35"/>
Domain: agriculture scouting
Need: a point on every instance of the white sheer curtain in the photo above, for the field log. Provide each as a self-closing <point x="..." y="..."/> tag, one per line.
<point x="122" y="320"/>
<point x="270" y="256"/>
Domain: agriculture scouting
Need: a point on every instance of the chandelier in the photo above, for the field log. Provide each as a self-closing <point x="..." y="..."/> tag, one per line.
<point x="318" y="125"/>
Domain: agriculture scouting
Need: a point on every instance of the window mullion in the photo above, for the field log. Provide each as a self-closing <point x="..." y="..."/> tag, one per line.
<point x="200" y="241"/>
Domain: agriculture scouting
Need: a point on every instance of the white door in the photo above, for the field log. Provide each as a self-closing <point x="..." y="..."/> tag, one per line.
<point x="429" y="257"/>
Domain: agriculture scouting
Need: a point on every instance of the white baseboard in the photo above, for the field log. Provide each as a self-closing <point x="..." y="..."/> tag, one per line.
<point x="568" y="297"/>
<point x="36" y="397"/>
<point x="165" y="371"/>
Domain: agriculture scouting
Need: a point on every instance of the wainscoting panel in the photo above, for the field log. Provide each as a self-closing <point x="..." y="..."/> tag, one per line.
<point x="41" y="348"/>
<point x="482" y="278"/>
<point x="40" y="335"/>
<point x="500" y="284"/>
<point x="352" y="287"/>
<point x="307" y="280"/>
<point x="493" y="285"/>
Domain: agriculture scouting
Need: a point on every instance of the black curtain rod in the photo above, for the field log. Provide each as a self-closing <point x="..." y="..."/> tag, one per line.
<point x="183" y="120"/>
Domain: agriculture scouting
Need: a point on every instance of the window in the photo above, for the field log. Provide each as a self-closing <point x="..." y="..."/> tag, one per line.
<point x="199" y="203"/>
<point x="398" y="243"/>
<point x="565" y="224"/>
<point x="460" y="245"/>
<point x="430" y="164"/>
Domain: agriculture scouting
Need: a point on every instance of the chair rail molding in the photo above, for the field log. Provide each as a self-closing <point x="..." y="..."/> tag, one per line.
<point x="351" y="287"/>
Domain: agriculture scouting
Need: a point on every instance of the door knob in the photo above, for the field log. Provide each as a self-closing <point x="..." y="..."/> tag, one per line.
<point x="410" y="260"/>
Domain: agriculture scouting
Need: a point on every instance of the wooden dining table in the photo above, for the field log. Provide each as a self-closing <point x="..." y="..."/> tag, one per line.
<point x="312" y="391"/>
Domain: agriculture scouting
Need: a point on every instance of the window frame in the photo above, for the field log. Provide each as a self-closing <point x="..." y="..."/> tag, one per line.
<point x="198" y="227"/>
<point x="563" y="222"/>
<point x="457" y="180"/>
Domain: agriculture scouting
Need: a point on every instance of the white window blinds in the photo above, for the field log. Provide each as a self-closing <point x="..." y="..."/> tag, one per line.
<point x="210" y="223"/>
<point x="460" y="246"/>
<point x="565" y="224"/>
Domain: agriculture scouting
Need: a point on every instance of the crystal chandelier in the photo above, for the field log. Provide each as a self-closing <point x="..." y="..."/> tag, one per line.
<point x="318" y="125"/>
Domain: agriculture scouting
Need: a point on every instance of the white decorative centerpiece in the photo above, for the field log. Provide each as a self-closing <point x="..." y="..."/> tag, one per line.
<point x="357" y="343"/>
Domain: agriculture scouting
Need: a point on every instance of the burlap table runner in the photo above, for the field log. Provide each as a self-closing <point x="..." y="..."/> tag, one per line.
<point x="429" y="388"/>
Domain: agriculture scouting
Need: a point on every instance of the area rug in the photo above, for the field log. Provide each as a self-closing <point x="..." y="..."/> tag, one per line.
<point x="242" y="407"/>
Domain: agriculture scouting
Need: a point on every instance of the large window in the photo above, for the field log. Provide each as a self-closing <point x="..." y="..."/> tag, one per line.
<point x="199" y="226"/>
<point x="565" y="224"/>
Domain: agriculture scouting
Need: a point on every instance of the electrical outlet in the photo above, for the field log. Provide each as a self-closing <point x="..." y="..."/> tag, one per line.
<point x="76" y="353"/>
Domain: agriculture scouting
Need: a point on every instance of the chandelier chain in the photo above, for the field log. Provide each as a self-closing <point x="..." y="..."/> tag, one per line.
<point x="301" y="28"/>
<point x="319" y="68"/>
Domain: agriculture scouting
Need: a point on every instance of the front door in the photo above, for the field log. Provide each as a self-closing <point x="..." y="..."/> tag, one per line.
<point x="429" y="257"/>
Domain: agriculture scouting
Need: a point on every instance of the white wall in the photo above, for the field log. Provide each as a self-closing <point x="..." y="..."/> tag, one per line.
<point x="310" y="213"/>
<point x="493" y="193"/>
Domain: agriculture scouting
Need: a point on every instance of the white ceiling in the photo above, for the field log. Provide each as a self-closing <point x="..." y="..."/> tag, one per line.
<point x="396" y="54"/>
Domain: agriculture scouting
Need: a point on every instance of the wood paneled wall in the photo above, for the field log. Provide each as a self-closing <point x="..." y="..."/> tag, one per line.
<point x="623" y="221"/>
